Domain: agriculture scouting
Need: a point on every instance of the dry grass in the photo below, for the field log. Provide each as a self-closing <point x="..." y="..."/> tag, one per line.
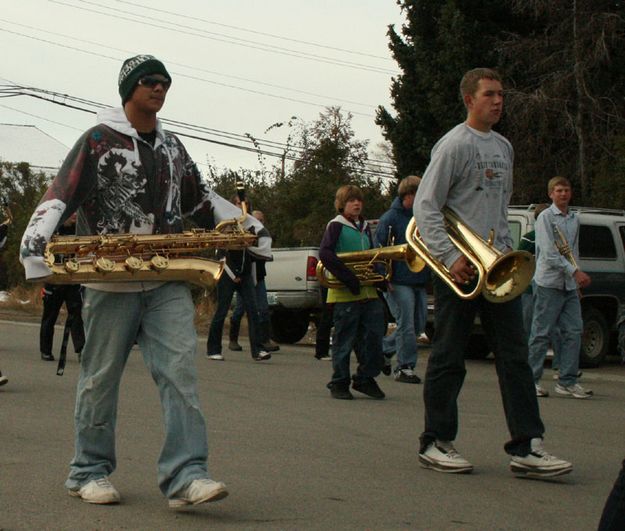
<point x="26" y="299"/>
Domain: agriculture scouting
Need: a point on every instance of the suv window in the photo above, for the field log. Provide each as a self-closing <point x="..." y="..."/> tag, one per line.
<point x="515" y="233"/>
<point x="595" y="241"/>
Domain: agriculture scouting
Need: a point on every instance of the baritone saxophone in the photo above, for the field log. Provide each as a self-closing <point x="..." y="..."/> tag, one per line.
<point x="144" y="257"/>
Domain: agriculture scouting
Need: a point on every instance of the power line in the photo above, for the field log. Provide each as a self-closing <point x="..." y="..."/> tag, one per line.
<point x="61" y="99"/>
<point x="193" y="67"/>
<point x="226" y="39"/>
<point x="196" y="78"/>
<point x="255" y="32"/>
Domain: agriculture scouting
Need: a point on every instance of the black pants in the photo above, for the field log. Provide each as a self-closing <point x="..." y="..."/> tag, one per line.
<point x="503" y="323"/>
<point x="613" y="517"/>
<point x="53" y="298"/>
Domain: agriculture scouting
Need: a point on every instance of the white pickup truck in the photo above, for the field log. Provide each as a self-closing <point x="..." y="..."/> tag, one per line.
<point x="293" y="292"/>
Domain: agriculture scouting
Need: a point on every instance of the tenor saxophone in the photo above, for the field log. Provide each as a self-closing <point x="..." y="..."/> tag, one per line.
<point x="144" y="257"/>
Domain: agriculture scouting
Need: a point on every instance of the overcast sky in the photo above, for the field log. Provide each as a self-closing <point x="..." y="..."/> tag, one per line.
<point x="238" y="66"/>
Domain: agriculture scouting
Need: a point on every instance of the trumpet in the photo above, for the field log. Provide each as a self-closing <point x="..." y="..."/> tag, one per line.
<point x="500" y="276"/>
<point x="563" y="246"/>
<point x="366" y="265"/>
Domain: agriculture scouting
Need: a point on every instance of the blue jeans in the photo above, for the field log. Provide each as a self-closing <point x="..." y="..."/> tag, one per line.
<point x="406" y="305"/>
<point x="554" y="337"/>
<point x="556" y="308"/>
<point x="161" y="321"/>
<point x="262" y="308"/>
<point x="226" y="288"/>
<point x="503" y="323"/>
<point x="359" y="322"/>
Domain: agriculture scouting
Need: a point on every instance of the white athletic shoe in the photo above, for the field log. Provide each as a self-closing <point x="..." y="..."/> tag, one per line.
<point x="98" y="490"/>
<point x="199" y="491"/>
<point x="538" y="463"/>
<point x="443" y="457"/>
<point x="575" y="390"/>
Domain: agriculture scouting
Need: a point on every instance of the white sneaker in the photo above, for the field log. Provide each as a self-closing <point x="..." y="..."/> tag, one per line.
<point x="538" y="463"/>
<point x="199" y="491"/>
<point x="216" y="357"/>
<point x="262" y="356"/>
<point x="541" y="391"/>
<point x="575" y="390"/>
<point x="97" y="491"/>
<point x="3" y="379"/>
<point x="443" y="457"/>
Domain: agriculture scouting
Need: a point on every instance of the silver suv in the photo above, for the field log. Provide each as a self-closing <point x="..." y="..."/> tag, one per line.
<point x="602" y="256"/>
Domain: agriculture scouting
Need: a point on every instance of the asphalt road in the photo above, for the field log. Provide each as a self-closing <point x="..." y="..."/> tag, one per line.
<point x="293" y="458"/>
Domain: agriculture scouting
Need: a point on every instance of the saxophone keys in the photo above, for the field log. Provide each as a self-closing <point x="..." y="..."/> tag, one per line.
<point x="159" y="263"/>
<point x="134" y="263"/>
<point x="71" y="266"/>
<point x="104" y="265"/>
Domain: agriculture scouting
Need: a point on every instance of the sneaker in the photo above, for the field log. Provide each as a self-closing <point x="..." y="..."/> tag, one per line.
<point x="47" y="356"/>
<point x="270" y="346"/>
<point x="199" y="491"/>
<point x="387" y="368"/>
<point x="541" y="391"/>
<point x="262" y="355"/>
<point x="99" y="491"/>
<point x="369" y="387"/>
<point x="575" y="390"/>
<point x="324" y="357"/>
<point x="216" y="357"/>
<point x="443" y="457"/>
<point x="423" y="339"/>
<point x="340" y="391"/>
<point x="234" y="345"/>
<point x="3" y="379"/>
<point x="538" y="463"/>
<point x="406" y="375"/>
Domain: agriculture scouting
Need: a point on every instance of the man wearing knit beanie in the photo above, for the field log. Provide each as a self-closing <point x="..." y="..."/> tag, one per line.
<point x="127" y="175"/>
<point x="134" y="69"/>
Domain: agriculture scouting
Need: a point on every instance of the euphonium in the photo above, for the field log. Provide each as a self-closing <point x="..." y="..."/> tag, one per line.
<point x="500" y="276"/>
<point x="144" y="257"/>
<point x="363" y="264"/>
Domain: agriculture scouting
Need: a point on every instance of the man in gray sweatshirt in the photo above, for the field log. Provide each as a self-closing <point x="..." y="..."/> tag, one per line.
<point x="470" y="172"/>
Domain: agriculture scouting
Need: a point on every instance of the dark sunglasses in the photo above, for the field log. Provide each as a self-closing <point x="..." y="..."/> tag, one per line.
<point x="152" y="81"/>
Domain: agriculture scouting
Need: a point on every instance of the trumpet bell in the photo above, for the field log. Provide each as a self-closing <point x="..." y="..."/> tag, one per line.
<point x="508" y="277"/>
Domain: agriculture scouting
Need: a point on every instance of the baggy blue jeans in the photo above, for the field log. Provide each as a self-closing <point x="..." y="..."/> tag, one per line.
<point x="503" y="323"/>
<point x="556" y="308"/>
<point x="161" y="321"/>
<point x="357" y="323"/>
<point x="406" y="305"/>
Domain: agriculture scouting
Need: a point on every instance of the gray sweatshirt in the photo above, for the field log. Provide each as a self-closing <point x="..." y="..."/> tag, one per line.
<point x="471" y="173"/>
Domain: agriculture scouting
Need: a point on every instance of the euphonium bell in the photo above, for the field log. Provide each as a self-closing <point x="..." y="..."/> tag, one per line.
<point x="500" y="276"/>
<point x="363" y="264"/>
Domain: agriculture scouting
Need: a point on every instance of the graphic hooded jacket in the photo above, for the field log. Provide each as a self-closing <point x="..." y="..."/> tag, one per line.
<point x="120" y="184"/>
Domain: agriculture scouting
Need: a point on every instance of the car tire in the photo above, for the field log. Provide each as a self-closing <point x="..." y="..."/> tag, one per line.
<point x="288" y="326"/>
<point x="595" y="338"/>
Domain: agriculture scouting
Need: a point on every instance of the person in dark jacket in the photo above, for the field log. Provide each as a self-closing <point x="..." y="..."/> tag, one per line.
<point x="358" y="311"/>
<point x="127" y="175"/>
<point x="406" y="293"/>
<point x="54" y="295"/>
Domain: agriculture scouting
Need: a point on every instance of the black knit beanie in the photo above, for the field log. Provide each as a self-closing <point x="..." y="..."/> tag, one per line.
<point x="134" y="69"/>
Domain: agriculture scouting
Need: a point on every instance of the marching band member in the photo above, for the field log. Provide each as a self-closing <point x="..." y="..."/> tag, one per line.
<point x="470" y="172"/>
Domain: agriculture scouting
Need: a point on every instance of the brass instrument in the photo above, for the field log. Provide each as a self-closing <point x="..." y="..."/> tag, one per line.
<point x="500" y="276"/>
<point x="144" y="257"/>
<point x="362" y="264"/>
<point x="563" y="246"/>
